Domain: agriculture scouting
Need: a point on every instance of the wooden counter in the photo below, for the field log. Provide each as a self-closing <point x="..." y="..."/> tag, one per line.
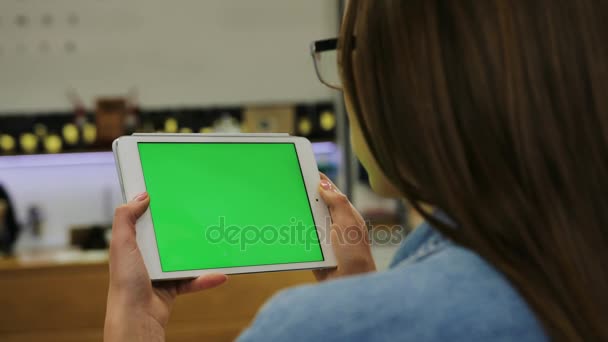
<point x="66" y="302"/>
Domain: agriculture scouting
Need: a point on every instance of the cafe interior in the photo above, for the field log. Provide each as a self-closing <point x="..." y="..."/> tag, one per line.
<point x="75" y="75"/>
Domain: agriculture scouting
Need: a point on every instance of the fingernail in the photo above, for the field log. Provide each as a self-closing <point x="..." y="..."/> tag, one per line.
<point x="141" y="197"/>
<point x="325" y="185"/>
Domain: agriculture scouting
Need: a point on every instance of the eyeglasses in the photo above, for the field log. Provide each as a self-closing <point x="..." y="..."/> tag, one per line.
<point x="325" y="57"/>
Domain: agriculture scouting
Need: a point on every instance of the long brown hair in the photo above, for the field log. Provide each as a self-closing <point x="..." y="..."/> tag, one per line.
<point x="496" y="113"/>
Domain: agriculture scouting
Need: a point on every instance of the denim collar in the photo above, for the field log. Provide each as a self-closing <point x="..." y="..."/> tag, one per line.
<point x="420" y="243"/>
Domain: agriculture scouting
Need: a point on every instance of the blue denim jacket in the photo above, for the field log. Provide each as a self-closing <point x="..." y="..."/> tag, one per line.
<point x="434" y="291"/>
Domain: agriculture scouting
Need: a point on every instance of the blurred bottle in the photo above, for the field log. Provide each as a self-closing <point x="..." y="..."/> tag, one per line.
<point x="72" y="132"/>
<point x="226" y="124"/>
<point x="110" y="119"/>
<point x="132" y="115"/>
<point x="34" y="220"/>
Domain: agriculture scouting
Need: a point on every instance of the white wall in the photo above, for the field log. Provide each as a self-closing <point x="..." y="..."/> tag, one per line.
<point x="178" y="52"/>
<point x="70" y="189"/>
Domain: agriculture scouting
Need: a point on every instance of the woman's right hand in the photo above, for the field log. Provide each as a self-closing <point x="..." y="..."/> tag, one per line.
<point x="349" y="235"/>
<point x="137" y="309"/>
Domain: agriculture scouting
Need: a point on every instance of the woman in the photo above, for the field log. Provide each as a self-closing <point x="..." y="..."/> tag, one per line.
<point x="495" y="114"/>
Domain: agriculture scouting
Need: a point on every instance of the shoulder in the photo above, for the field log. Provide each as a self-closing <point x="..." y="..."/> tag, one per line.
<point x="450" y="294"/>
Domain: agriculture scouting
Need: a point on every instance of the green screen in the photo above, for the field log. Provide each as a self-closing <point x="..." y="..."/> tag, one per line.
<point x="217" y="205"/>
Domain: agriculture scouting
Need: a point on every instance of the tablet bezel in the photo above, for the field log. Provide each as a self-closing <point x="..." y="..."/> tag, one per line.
<point x="132" y="182"/>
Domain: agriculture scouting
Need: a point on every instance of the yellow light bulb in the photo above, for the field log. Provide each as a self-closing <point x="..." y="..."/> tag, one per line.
<point x="206" y="130"/>
<point x="171" y="125"/>
<point x="7" y="142"/>
<point x="327" y="120"/>
<point x="185" y="130"/>
<point x="29" y="142"/>
<point x="70" y="134"/>
<point x="89" y="133"/>
<point x="53" y="144"/>
<point x="40" y="130"/>
<point x="304" y="126"/>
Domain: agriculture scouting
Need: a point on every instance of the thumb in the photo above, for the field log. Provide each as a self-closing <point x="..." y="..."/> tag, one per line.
<point x="349" y="235"/>
<point x="339" y="206"/>
<point x="125" y="218"/>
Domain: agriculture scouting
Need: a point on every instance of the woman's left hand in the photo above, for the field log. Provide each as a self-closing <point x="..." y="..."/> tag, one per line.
<point x="138" y="310"/>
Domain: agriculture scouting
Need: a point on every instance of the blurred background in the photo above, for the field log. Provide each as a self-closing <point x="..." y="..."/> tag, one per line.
<point x="76" y="74"/>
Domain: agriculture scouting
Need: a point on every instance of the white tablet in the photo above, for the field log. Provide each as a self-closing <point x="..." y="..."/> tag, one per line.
<point x="228" y="204"/>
